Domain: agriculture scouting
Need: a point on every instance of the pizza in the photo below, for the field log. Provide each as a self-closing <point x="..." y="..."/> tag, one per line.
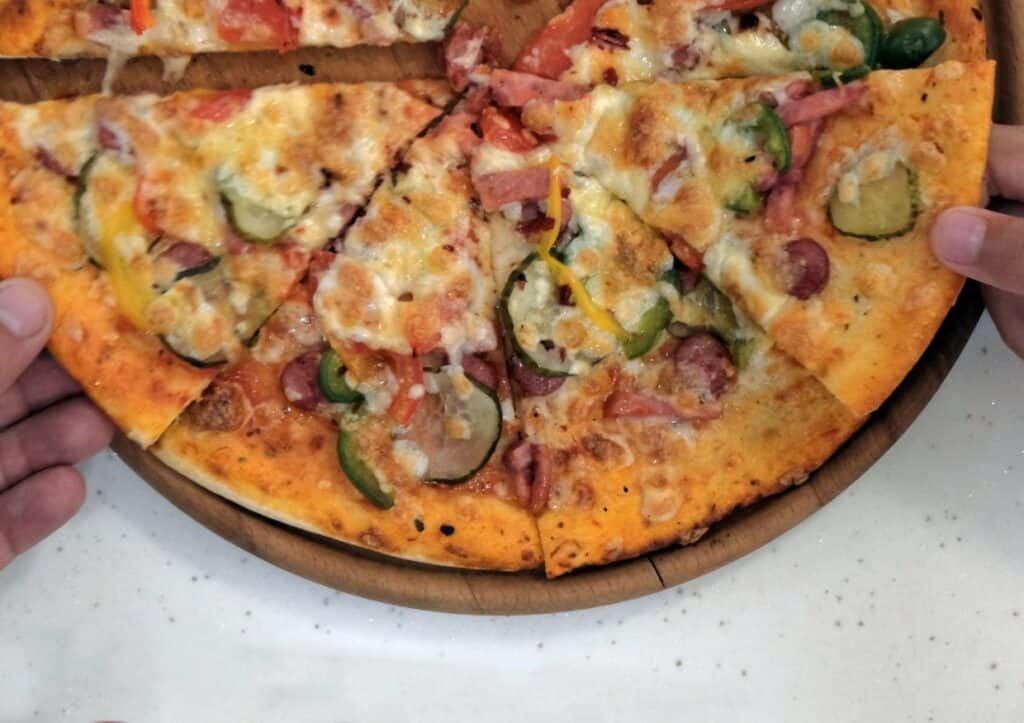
<point x="821" y="237"/>
<point x="551" y="316"/>
<point x="621" y="41"/>
<point x="96" y="28"/>
<point x="381" y="379"/>
<point x="167" y="237"/>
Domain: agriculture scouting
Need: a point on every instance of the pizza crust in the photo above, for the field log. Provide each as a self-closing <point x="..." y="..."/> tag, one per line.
<point x="885" y="299"/>
<point x="627" y="487"/>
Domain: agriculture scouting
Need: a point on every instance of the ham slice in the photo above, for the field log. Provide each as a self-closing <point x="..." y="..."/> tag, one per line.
<point x="821" y="105"/>
<point x="637" y="406"/>
<point x="512" y="89"/>
<point x="465" y="48"/>
<point x="504" y="187"/>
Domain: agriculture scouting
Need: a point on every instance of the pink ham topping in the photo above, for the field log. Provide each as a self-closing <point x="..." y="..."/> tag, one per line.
<point x="504" y="187"/>
<point x="466" y="48"/>
<point x="512" y="89"/>
<point x="822" y="104"/>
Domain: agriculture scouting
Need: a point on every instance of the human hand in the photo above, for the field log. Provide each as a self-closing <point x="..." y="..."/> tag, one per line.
<point x="45" y="425"/>
<point x="989" y="246"/>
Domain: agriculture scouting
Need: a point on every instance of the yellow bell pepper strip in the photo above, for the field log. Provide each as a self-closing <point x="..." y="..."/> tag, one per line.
<point x="601" y="318"/>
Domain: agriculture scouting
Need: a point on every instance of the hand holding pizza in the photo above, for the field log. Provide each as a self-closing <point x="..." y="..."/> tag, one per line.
<point x="989" y="246"/>
<point x="45" y="426"/>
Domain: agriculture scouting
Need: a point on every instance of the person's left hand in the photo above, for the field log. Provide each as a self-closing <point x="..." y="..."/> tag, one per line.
<point x="45" y="425"/>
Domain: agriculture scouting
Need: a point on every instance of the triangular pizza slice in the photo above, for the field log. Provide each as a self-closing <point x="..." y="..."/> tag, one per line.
<point x="169" y="229"/>
<point x="651" y="407"/>
<point x="810" y="207"/>
<point x="374" y="407"/>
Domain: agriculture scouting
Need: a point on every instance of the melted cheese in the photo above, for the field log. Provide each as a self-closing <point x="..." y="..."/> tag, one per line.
<point x="870" y="162"/>
<point x="410" y="457"/>
<point x="730" y="265"/>
<point x="414" y="272"/>
<point x="619" y="259"/>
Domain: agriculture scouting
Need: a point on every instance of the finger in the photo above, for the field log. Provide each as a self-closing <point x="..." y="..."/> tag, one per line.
<point x="26" y="315"/>
<point x="37" y="507"/>
<point x="1007" y="312"/>
<point x="1006" y="162"/>
<point x="42" y="384"/>
<point x="67" y="433"/>
<point x="984" y="245"/>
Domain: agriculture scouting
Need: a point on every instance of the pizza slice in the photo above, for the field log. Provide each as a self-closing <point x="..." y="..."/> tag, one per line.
<point x="810" y="207"/>
<point x="169" y="229"/>
<point x="77" y="28"/>
<point x="374" y="408"/>
<point x="651" y="407"/>
<point x="620" y="41"/>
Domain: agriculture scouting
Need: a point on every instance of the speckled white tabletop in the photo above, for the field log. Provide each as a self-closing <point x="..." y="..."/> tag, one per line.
<point x="902" y="600"/>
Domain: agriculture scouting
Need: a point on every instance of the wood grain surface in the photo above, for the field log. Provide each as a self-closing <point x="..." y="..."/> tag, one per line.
<point x="381" y="578"/>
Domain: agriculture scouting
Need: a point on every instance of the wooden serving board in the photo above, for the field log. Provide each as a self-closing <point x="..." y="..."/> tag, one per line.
<point x="435" y="588"/>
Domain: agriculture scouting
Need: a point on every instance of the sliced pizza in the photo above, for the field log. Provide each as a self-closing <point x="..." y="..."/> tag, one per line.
<point x="620" y="41"/>
<point x="77" y="28"/>
<point x="651" y="407"/>
<point x="811" y="207"/>
<point x="376" y="409"/>
<point x="169" y="229"/>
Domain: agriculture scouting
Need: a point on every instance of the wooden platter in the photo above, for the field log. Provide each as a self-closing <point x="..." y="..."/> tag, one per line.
<point x="434" y="588"/>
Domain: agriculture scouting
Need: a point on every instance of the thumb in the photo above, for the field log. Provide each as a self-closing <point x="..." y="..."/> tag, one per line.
<point x="984" y="245"/>
<point x="26" y="316"/>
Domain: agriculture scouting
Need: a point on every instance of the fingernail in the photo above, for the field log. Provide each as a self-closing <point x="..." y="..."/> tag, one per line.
<point x="957" y="237"/>
<point x="24" y="308"/>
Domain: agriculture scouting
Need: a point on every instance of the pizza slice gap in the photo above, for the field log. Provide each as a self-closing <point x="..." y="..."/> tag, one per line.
<point x="597" y="42"/>
<point x="810" y="207"/>
<point x="177" y="28"/>
<point x="175" y="226"/>
<point x="651" y="407"/>
<point x="374" y="408"/>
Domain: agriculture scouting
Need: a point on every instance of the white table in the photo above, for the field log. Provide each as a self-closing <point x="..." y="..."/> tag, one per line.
<point x="902" y="600"/>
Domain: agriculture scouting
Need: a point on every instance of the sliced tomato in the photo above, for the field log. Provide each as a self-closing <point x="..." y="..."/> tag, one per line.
<point x="503" y="129"/>
<point x="409" y="372"/>
<point x="259" y="24"/>
<point x="219" y="107"/>
<point x="143" y="211"/>
<point x="141" y="16"/>
<point x="547" y="53"/>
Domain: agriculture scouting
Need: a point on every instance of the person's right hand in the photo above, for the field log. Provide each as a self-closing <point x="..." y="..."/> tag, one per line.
<point x="989" y="246"/>
<point x="45" y="425"/>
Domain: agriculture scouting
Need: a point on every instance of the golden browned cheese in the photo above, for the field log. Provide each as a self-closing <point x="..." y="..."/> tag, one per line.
<point x="73" y="28"/>
<point x="129" y="371"/>
<point x="885" y="299"/>
<point x="253" y="447"/>
<point x="676" y="39"/>
<point x="139" y="384"/>
<point x="626" y="487"/>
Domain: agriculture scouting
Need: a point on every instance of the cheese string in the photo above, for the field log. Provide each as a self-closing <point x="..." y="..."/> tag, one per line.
<point x="601" y="318"/>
